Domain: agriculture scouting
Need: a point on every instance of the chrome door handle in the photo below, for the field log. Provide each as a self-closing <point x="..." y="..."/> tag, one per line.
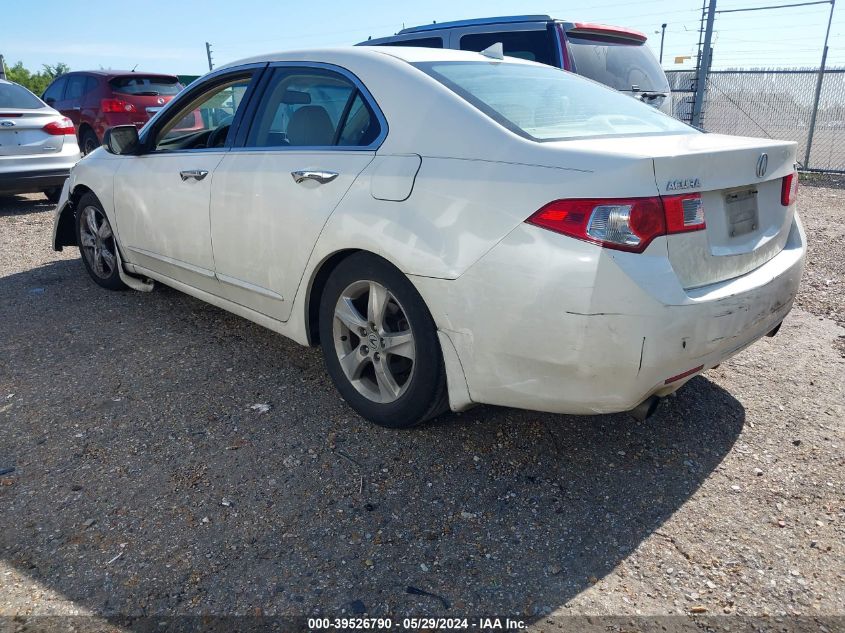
<point x="196" y="174"/>
<point x="321" y="177"/>
<point x="77" y="108"/>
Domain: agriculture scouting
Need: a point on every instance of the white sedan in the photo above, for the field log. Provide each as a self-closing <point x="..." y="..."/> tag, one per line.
<point x="450" y="227"/>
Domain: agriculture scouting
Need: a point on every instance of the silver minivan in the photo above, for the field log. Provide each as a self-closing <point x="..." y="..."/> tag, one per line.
<point x="612" y="55"/>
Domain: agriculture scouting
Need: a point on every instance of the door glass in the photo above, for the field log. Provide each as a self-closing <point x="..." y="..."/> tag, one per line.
<point x="54" y="91"/>
<point x="75" y="87"/>
<point x="424" y="42"/>
<point x="535" y="46"/>
<point x="205" y="121"/>
<point x="312" y="108"/>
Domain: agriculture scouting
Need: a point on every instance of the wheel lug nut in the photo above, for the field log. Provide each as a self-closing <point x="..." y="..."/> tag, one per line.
<point x="376" y="356"/>
<point x="365" y="350"/>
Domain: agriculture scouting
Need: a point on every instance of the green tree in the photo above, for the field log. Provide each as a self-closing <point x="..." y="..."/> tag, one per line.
<point x="36" y="82"/>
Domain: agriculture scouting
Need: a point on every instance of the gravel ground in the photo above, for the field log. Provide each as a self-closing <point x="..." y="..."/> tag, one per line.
<point x="145" y="484"/>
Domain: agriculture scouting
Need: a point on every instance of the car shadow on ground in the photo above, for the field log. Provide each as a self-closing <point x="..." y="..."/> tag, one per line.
<point x="146" y="483"/>
<point x="20" y="205"/>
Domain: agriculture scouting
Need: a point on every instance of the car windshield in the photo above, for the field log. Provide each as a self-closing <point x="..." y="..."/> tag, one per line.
<point x="17" y="97"/>
<point x="547" y="104"/>
<point x="624" y="66"/>
<point x="149" y="86"/>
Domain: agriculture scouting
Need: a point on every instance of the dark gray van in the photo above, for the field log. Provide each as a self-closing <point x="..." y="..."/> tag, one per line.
<point x="612" y="55"/>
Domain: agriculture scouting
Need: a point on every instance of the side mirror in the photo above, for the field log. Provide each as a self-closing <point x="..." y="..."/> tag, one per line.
<point x="121" y="140"/>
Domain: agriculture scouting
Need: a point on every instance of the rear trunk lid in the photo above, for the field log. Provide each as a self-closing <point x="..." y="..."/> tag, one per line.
<point x="22" y="132"/>
<point x="746" y="224"/>
<point x="740" y="181"/>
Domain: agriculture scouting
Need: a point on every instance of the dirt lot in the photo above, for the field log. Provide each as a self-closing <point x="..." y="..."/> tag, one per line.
<point x="144" y="484"/>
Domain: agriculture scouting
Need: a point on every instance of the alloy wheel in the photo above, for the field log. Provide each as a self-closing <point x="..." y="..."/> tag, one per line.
<point x="97" y="242"/>
<point x="374" y="341"/>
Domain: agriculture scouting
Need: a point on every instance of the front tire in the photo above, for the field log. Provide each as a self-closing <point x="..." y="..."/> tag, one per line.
<point x="97" y="243"/>
<point x="380" y="344"/>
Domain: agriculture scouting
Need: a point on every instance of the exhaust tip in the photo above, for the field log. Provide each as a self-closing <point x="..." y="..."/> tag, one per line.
<point x="645" y="409"/>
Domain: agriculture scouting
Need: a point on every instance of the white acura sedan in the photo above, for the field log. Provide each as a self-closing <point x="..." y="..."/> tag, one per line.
<point x="451" y="228"/>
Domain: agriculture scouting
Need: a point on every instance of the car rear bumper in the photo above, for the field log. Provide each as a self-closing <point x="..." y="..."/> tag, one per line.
<point x="573" y="328"/>
<point x="33" y="180"/>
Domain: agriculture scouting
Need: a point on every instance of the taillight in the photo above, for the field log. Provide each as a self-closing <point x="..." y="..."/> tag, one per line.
<point x="60" y="128"/>
<point x="684" y="213"/>
<point x="116" y="105"/>
<point x="627" y="224"/>
<point x="789" y="189"/>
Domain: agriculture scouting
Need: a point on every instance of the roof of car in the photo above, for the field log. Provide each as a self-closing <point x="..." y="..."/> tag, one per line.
<point x="411" y="54"/>
<point x="118" y="73"/>
<point x="502" y="19"/>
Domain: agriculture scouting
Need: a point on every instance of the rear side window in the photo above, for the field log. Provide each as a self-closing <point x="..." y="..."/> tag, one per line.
<point x="620" y="65"/>
<point x="55" y="90"/>
<point x="77" y="86"/>
<point x="535" y="46"/>
<point x="312" y="107"/>
<point x="145" y="86"/>
<point x="18" y="97"/>
<point x="547" y="104"/>
<point x="424" y="42"/>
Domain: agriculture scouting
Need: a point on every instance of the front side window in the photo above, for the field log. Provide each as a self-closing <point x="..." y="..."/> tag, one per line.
<point x="55" y="90"/>
<point x="547" y="104"/>
<point x="535" y="46"/>
<point x="312" y="107"/>
<point x="205" y="121"/>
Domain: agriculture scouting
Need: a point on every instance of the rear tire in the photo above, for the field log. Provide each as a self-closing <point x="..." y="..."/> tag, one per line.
<point x="380" y="344"/>
<point x="97" y="243"/>
<point x="53" y="194"/>
<point x="88" y="141"/>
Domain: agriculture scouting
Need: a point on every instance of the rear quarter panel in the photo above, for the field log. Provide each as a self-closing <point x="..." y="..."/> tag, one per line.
<point x="459" y="209"/>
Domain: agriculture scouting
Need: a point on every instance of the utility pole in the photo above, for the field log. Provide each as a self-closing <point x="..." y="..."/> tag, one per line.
<point x="208" y="54"/>
<point x="703" y="66"/>
<point x="818" y="90"/>
<point x="662" y="36"/>
<point x="2" y="67"/>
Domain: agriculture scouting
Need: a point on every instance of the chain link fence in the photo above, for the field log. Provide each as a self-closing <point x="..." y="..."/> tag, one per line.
<point x="772" y="104"/>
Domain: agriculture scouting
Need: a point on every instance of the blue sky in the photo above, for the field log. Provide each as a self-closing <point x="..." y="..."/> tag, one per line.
<point x="170" y="35"/>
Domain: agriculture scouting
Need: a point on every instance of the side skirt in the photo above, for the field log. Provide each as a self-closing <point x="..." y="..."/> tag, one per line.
<point x="225" y="304"/>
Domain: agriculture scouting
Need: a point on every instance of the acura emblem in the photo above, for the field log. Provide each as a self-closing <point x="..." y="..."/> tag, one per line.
<point x="160" y="101"/>
<point x="762" y="164"/>
<point x="7" y="123"/>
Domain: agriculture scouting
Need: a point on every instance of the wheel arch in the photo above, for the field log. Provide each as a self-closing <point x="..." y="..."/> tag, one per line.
<point x="84" y="126"/>
<point x="320" y="276"/>
<point x="65" y="230"/>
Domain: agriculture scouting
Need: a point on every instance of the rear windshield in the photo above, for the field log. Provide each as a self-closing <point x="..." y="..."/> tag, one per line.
<point x="624" y="66"/>
<point x="547" y="104"/>
<point x="18" y="97"/>
<point x="147" y="86"/>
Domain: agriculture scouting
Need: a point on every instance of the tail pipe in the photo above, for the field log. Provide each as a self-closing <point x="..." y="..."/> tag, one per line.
<point x="645" y="409"/>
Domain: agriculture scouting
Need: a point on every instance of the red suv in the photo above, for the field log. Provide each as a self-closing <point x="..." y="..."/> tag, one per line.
<point x="96" y="100"/>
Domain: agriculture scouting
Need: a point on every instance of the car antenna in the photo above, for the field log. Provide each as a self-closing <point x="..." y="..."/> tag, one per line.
<point x="134" y="67"/>
<point x="495" y="51"/>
